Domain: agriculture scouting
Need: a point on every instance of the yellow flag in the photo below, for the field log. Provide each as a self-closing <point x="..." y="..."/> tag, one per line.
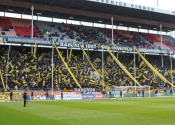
<point x="34" y="53"/>
<point x="141" y="64"/>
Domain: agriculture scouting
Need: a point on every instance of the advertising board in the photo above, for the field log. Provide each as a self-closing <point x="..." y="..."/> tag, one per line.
<point x="87" y="96"/>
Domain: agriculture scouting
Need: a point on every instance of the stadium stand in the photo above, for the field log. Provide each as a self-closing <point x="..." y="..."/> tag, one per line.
<point x="26" y="70"/>
<point x="127" y="39"/>
<point x="33" y="72"/>
<point x="49" y="30"/>
<point x="66" y="33"/>
<point x="156" y="40"/>
<point x="170" y="40"/>
<point x="6" y="28"/>
<point x="11" y="27"/>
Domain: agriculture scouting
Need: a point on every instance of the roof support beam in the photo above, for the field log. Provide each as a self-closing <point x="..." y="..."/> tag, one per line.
<point x="24" y="10"/>
<point x="84" y="18"/>
<point x="145" y="13"/>
<point x="84" y="8"/>
<point x="130" y="12"/>
<point x="42" y="12"/>
<point x="52" y="2"/>
<point x="70" y="4"/>
<point x="155" y="16"/>
<point x="56" y="15"/>
<point x="6" y="8"/>
<point x="85" y="13"/>
<point x="116" y="10"/>
<point x="102" y="8"/>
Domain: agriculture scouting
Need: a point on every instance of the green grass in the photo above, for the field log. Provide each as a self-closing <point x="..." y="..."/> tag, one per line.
<point x="141" y="111"/>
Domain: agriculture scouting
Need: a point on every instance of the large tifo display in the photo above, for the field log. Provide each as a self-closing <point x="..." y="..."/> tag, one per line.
<point x="5" y="96"/>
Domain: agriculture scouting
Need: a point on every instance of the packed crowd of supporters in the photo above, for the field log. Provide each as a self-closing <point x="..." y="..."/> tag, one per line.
<point x="96" y="35"/>
<point x="25" y="70"/>
<point x="34" y="71"/>
<point x="86" y="34"/>
<point x="124" y="41"/>
<point x="11" y="27"/>
<point x="80" y="34"/>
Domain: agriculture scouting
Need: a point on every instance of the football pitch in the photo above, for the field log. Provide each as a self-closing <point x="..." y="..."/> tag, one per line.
<point x="140" y="111"/>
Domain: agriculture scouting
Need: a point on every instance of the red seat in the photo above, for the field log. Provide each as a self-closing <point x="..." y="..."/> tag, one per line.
<point x="156" y="38"/>
<point x="5" y="22"/>
<point x="23" y="31"/>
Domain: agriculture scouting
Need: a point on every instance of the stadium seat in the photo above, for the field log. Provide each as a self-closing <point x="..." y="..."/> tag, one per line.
<point x="156" y="40"/>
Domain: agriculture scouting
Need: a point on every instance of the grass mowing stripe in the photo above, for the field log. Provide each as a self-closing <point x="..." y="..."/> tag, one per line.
<point x="146" y="111"/>
<point x="13" y="116"/>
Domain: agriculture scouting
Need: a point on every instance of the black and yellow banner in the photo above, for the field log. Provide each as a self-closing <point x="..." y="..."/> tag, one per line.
<point x="5" y="96"/>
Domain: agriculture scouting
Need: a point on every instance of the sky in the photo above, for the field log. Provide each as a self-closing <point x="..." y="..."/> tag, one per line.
<point x="162" y="4"/>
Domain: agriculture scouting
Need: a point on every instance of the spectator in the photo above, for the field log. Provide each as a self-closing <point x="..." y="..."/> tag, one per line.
<point x="11" y="96"/>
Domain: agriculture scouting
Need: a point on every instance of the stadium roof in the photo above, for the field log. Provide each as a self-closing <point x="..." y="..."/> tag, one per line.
<point x="83" y="10"/>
